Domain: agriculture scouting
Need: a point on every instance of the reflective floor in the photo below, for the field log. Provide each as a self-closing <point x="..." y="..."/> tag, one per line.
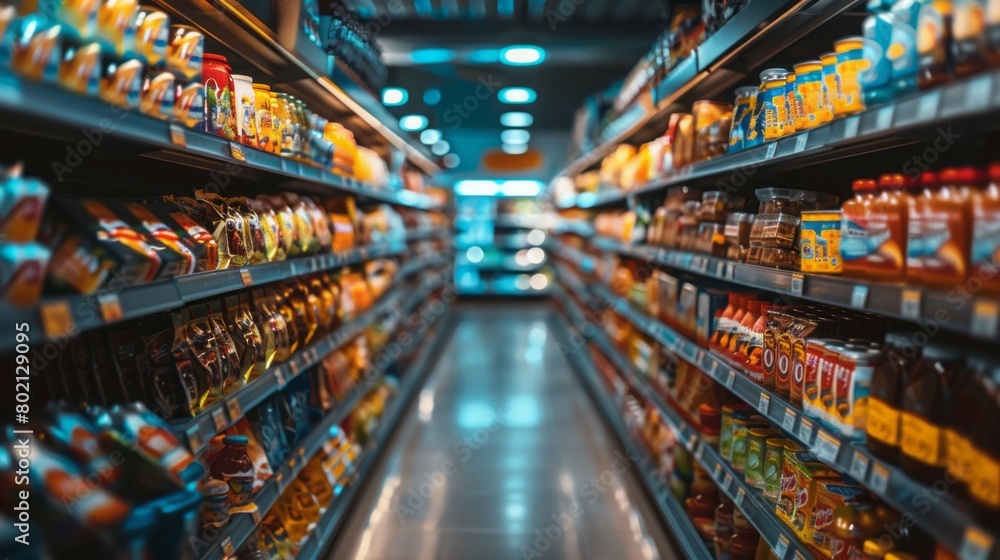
<point x="504" y="456"/>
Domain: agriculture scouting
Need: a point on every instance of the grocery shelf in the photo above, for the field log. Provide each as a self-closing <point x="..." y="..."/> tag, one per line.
<point x="26" y="109"/>
<point x="969" y="314"/>
<point x="65" y="316"/>
<point x="223" y="414"/>
<point x="779" y="536"/>
<point x="428" y="233"/>
<point x="577" y="227"/>
<point x="687" y="537"/>
<point x="338" y="512"/>
<point x="309" y="68"/>
<point x="975" y="97"/>
<point x="581" y="260"/>
<point x="421" y="264"/>
<point x="757" y="32"/>
<point x="944" y="519"/>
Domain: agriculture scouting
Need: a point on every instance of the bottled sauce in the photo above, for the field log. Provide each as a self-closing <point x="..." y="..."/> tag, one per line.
<point x="855" y="247"/>
<point x="925" y="412"/>
<point x="920" y="194"/>
<point x="934" y="43"/>
<point x="884" y="402"/>
<point x="984" y="483"/>
<point x="968" y="409"/>
<point x="969" y="47"/>
<point x="946" y="230"/>
<point x="889" y="216"/>
<point x="985" y="257"/>
<point x="853" y="524"/>
<point x="723" y="527"/>
<point x="233" y="466"/>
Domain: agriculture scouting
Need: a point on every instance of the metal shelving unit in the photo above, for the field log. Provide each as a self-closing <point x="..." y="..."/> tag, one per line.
<point x="779" y="536"/>
<point x="882" y="126"/>
<point x="976" y="316"/>
<point x="947" y="520"/>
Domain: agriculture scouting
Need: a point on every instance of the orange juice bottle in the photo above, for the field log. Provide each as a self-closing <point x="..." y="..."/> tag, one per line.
<point x="947" y="229"/>
<point x="986" y="232"/>
<point x="888" y="229"/>
<point x="920" y="194"/>
<point x="855" y="247"/>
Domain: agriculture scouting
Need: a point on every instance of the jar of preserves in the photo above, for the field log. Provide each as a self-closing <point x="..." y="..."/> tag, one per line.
<point x="220" y="118"/>
<point x="267" y="132"/>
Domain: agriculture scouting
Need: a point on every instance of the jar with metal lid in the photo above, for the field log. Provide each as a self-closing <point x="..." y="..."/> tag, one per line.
<point x="220" y="118"/>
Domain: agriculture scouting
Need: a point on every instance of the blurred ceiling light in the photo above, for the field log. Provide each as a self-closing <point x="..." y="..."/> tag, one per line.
<point x="432" y="56"/>
<point x="430" y="136"/>
<point x="413" y="123"/>
<point x="441" y="147"/>
<point x="536" y="237"/>
<point x="394" y="97"/>
<point x="515" y="136"/>
<point x="516" y="119"/>
<point x="522" y="55"/>
<point x="515" y="149"/>
<point x="517" y="95"/>
<point x="539" y="282"/>
<point x="451" y="161"/>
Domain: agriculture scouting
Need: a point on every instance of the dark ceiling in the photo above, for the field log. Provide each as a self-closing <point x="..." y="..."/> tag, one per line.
<point x="590" y="44"/>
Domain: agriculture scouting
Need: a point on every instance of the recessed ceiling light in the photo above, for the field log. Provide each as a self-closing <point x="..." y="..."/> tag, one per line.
<point x="522" y="55"/>
<point x="413" y="123"/>
<point x="515" y="149"/>
<point x="441" y="148"/>
<point x="393" y="97"/>
<point x="515" y="136"/>
<point x="521" y="188"/>
<point x="430" y="136"/>
<point x="517" y="95"/>
<point x="516" y="119"/>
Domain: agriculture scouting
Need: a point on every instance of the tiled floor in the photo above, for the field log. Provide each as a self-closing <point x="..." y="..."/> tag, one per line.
<point x="502" y="447"/>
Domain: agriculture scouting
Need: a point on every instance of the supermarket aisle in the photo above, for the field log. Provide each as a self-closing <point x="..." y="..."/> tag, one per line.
<point x="503" y="446"/>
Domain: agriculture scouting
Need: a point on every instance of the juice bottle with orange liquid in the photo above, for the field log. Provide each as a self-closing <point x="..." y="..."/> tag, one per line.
<point x="986" y="232"/>
<point x="946" y="229"/>
<point x="856" y="245"/>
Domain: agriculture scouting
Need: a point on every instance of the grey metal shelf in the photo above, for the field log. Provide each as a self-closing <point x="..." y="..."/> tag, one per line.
<point x="671" y="510"/>
<point x="26" y="108"/>
<point x="978" y="316"/>
<point x="978" y="96"/>
<point x="779" y="536"/>
<point x="946" y="519"/>
<point x="755" y="34"/>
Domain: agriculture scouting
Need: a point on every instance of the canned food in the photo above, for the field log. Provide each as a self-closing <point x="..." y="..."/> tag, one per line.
<point x="774" y="448"/>
<point x="152" y="34"/>
<point x="158" y="94"/>
<point x="189" y="103"/>
<point x="850" y="64"/>
<point x="756" y="443"/>
<point x="121" y="84"/>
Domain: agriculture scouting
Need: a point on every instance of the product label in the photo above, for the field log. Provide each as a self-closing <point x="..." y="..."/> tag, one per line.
<point x="775" y="113"/>
<point x="985" y="487"/>
<point x="850" y="66"/>
<point x="986" y="239"/>
<point x="783" y="369"/>
<point x="772" y="472"/>
<point x="815" y="110"/>
<point x="769" y="357"/>
<point x="921" y="440"/>
<point x="959" y="455"/>
<point x="883" y="422"/>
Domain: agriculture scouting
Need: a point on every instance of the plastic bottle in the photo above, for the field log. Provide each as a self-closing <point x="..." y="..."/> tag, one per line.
<point x="902" y="52"/>
<point x="926" y="405"/>
<point x="985" y="257"/>
<point x="855" y="214"/>
<point x="877" y="32"/>
<point x="934" y="43"/>
<point x="920" y="195"/>
<point x="985" y="484"/>
<point x="886" y="397"/>
<point x="969" y="47"/>
<point x="947" y="229"/>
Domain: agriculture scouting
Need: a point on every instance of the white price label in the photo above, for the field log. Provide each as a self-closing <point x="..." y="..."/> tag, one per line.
<point x="984" y="319"/>
<point x="798" y="283"/>
<point x="730" y="270"/>
<point x="177" y="137"/>
<point x="235" y="408"/>
<point x="741" y="495"/>
<point x="859" y="466"/>
<point x="825" y="447"/>
<point x="727" y="482"/>
<point x="879" y="481"/>
<point x="928" y="106"/>
<point x="236" y="150"/>
<point x="771" y="149"/>
<point x="909" y="305"/>
<point x="194" y="437"/>
<point x="699" y="453"/>
<point x="805" y="430"/>
<point x="788" y="422"/>
<point x="227" y="546"/>
<point x="720" y="269"/>
<point x="717" y="471"/>
<point x="703" y="265"/>
<point x="976" y="545"/>
<point x="219" y="419"/>
<point x="859" y="297"/>
<point x="246" y="277"/>
<point x="730" y="379"/>
<point x="111" y="307"/>
<point x="884" y="119"/>
<point x="977" y="95"/>
<point x="279" y="376"/>
<point x="764" y="404"/>
<point x="781" y="548"/>
<point x="800" y="142"/>
<point x="851" y="126"/>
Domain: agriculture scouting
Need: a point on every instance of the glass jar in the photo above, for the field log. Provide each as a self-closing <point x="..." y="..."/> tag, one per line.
<point x="284" y="119"/>
<point x="267" y="131"/>
<point x="219" y="114"/>
<point x="234" y="466"/>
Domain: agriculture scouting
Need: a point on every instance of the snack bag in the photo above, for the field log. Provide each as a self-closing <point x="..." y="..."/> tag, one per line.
<point x="22" y="204"/>
<point x="229" y="359"/>
<point x="176" y="386"/>
<point x="252" y="229"/>
<point x="22" y="272"/>
<point x="245" y="334"/>
<point x="272" y="243"/>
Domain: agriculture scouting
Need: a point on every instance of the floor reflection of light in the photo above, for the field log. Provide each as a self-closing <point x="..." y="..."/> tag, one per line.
<point x="538" y="334"/>
<point x="381" y="507"/>
<point x="514" y="511"/>
<point x="522" y="411"/>
<point x="476" y="415"/>
<point x="533" y="355"/>
<point x="426" y="405"/>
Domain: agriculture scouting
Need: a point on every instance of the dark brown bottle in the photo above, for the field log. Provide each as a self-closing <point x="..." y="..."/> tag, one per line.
<point x="968" y="404"/>
<point x="926" y="397"/>
<point x="886" y="398"/>
<point x="985" y="485"/>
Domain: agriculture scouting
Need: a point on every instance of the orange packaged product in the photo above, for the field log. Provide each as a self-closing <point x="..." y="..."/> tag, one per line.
<point x="860" y="236"/>
<point x="986" y="233"/>
<point x="945" y="230"/>
<point x="22" y="204"/>
<point x="831" y="495"/>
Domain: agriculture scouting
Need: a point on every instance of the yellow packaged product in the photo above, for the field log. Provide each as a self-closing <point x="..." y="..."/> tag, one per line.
<point x="819" y="242"/>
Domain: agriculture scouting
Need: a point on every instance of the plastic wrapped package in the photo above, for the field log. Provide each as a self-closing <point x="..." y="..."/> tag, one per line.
<point x="793" y="202"/>
<point x="737" y="232"/>
<point x="22" y="272"/>
<point x="712" y="123"/>
<point x="717" y="205"/>
<point x="245" y="333"/>
<point x="22" y="205"/>
<point x="683" y="142"/>
<point x="270" y="242"/>
<point x="253" y="230"/>
<point x="775" y="230"/>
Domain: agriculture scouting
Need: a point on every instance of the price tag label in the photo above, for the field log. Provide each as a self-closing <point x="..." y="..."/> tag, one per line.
<point x="764" y="404"/>
<point x="727" y="482"/>
<point x="781" y="548"/>
<point x="851" y="126"/>
<point x="883" y="120"/>
<point x="699" y="453"/>
<point x="826" y="447"/>
<point x="246" y="276"/>
<point x="788" y="422"/>
<point x="800" y="142"/>
<point x="976" y="545"/>
<point x="256" y="515"/>
<point x="227" y="546"/>
<point x="236" y="150"/>
<point x="799" y="556"/>
<point x="177" y="137"/>
<point x="720" y="269"/>
<point x="772" y="148"/>
<point x="57" y="320"/>
<point x="703" y="265"/>
<point x="714" y="371"/>
<point x="927" y="108"/>
<point x="859" y="297"/>
<point x="909" y="305"/>
<point x="219" y="419"/>
<point x="984" y="319"/>
<point x="294" y="366"/>
<point x="741" y="495"/>
<point x="111" y="307"/>
<point x="717" y="471"/>
<point x="798" y="283"/>
<point x="279" y="376"/>
<point x="859" y="466"/>
<point x="730" y="379"/>
<point x="977" y="96"/>
<point x="806" y="430"/>
<point x="879" y="481"/>
<point x="730" y="270"/>
<point x="194" y="437"/>
<point x="235" y="408"/>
